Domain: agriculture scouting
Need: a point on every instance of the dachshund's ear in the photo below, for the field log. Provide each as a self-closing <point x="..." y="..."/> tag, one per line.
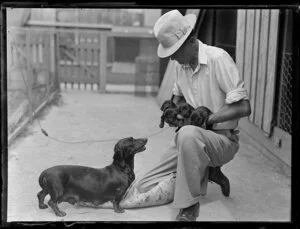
<point x="119" y="157"/>
<point x="164" y="105"/>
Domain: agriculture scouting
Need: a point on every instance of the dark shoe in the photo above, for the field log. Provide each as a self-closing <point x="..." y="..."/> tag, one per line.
<point x="189" y="214"/>
<point x="215" y="175"/>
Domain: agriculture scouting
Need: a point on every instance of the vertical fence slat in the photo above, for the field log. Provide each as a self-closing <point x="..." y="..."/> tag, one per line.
<point x="255" y="60"/>
<point x="40" y="44"/>
<point x="261" y="80"/>
<point x="89" y="54"/>
<point x="45" y="63"/>
<point x="103" y="62"/>
<point x="82" y="55"/>
<point x="271" y="71"/>
<point x="248" y="49"/>
<point x="28" y="71"/>
<point x="240" y="40"/>
<point x="57" y="59"/>
<point x="98" y="62"/>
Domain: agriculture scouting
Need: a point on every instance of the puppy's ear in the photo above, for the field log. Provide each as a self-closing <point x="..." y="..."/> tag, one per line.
<point x="204" y="124"/>
<point x="119" y="157"/>
<point x="162" y="120"/>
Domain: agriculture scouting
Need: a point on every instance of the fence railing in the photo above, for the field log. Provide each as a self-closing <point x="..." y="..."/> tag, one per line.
<point x="85" y="54"/>
<point x="32" y="81"/>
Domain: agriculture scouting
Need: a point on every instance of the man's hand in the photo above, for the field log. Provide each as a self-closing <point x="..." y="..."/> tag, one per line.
<point x="230" y="112"/>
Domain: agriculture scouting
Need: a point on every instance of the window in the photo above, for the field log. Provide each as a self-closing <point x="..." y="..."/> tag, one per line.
<point x="284" y="70"/>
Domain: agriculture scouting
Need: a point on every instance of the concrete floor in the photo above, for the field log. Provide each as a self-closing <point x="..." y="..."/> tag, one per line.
<point x="260" y="190"/>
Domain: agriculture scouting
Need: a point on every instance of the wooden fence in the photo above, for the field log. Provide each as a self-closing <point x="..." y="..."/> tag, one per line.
<point x="84" y="52"/>
<point x="256" y="52"/>
<point x="32" y="55"/>
<point x="32" y="81"/>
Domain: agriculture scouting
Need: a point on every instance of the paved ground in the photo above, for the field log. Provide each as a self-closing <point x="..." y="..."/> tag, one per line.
<point x="260" y="190"/>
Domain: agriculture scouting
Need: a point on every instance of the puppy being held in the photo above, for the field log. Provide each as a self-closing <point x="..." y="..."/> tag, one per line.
<point x="81" y="184"/>
<point x="184" y="111"/>
<point x="199" y="117"/>
<point x="168" y="104"/>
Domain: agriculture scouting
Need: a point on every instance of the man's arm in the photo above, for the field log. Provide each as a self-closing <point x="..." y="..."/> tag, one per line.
<point x="231" y="111"/>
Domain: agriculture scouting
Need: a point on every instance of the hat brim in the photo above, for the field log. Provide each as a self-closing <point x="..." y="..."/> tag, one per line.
<point x="166" y="52"/>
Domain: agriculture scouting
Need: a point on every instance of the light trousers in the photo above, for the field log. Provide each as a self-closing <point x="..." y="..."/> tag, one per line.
<point x="194" y="149"/>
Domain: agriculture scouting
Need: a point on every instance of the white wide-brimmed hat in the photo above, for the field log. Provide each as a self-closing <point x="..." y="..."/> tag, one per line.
<point x="171" y="30"/>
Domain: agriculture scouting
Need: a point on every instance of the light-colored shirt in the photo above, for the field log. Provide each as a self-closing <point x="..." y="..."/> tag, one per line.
<point x="213" y="83"/>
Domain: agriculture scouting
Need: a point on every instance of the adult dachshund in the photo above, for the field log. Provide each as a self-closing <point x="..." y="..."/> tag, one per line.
<point x="81" y="184"/>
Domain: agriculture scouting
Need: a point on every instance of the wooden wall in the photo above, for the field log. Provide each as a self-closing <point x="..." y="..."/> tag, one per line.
<point x="256" y="52"/>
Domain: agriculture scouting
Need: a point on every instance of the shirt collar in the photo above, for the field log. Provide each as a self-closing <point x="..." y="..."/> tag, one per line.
<point x="202" y="58"/>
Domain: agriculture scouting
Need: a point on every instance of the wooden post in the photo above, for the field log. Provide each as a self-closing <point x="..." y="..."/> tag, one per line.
<point x="47" y="61"/>
<point x="271" y="71"/>
<point x="255" y="63"/>
<point x="28" y="73"/>
<point x="240" y="41"/>
<point x="52" y="59"/>
<point x="56" y="63"/>
<point x="103" y="62"/>
<point x="262" y="68"/>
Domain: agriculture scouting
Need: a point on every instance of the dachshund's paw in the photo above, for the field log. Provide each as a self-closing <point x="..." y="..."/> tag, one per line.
<point x="60" y="213"/>
<point x="43" y="206"/>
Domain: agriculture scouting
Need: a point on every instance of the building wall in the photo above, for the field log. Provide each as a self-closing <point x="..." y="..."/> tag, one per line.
<point x="256" y="52"/>
<point x="257" y="58"/>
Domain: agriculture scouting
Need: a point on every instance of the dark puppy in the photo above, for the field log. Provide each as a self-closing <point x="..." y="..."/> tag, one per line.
<point x="73" y="183"/>
<point x="170" y="116"/>
<point x="168" y="104"/>
<point x="200" y="116"/>
<point x="184" y="111"/>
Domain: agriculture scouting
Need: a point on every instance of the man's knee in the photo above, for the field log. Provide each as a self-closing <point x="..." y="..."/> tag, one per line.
<point x="190" y="139"/>
<point x="188" y="132"/>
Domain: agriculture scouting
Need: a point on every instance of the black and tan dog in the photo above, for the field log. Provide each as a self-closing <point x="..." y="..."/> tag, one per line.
<point x="75" y="184"/>
<point x="199" y="117"/>
<point x="168" y="116"/>
<point x="184" y="114"/>
<point x="184" y="111"/>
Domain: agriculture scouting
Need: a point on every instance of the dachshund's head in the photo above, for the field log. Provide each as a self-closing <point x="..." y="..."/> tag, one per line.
<point x="126" y="148"/>
<point x="185" y="110"/>
<point x="167" y="104"/>
<point x="200" y="116"/>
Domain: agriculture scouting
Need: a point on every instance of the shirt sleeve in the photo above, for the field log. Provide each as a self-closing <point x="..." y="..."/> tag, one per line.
<point x="176" y="89"/>
<point x="228" y="78"/>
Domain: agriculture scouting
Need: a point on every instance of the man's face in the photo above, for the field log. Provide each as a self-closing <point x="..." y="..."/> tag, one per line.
<point x="181" y="55"/>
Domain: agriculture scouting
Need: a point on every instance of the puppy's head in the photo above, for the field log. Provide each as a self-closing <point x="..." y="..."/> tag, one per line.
<point x="167" y="104"/>
<point x="200" y="116"/>
<point x="170" y="117"/>
<point x="126" y="148"/>
<point x="185" y="110"/>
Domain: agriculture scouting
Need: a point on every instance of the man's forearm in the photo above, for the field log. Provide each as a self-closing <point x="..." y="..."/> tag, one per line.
<point x="230" y="112"/>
